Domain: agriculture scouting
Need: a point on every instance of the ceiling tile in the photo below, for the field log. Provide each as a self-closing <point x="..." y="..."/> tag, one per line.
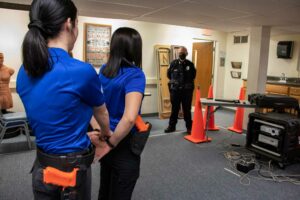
<point x="226" y="26"/>
<point x="226" y="15"/>
<point x="259" y="20"/>
<point x="292" y="2"/>
<point x="291" y="13"/>
<point x="178" y="16"/>
<point x="178" y="22"/>
<point x="278" y="31"/>
<point x="153" y="4"/>
<point x="95" y="13"/>
<point x="289" y="28"/>
<point x="195" y="9"/>
<point x="111" y="8"/>
<point x="251" y="6"/>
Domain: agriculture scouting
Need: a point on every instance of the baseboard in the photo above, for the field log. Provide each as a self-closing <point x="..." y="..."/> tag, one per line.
<point x="149" y="115"/>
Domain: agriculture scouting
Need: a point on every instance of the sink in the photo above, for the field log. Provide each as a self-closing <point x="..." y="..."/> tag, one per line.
<point x="281" y="81"/>
<point x="288" y="80"/>
<point x="276" y="81"/>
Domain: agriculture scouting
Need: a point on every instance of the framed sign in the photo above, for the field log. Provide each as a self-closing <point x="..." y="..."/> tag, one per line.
<point x="96" y="43"/>
<point x="235" y="74"/>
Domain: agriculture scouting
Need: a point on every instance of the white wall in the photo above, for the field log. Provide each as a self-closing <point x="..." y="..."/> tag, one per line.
<point x="152" y="34"/>
<point x="13" y="28"/>
<point x="15" y="23"/>
<point x="237" y="53"/>
<point x="219" y="71"/>
<point x="276" y="65"/>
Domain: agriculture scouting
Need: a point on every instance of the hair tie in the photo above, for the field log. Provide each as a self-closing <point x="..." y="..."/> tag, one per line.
<point x="36" y="24"/>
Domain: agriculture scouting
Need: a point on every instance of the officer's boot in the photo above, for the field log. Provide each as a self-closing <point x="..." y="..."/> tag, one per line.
<point x="170" y="129"/>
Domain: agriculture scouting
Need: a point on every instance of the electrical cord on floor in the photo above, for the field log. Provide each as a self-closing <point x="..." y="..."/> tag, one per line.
<point x="258" y="172"/>
<point x="278" y="177"/>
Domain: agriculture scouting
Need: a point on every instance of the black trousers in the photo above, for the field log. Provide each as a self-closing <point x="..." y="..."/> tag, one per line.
<point x="181" y="97"/>
<point x="120" y="170"/>
<point x="42" y="191"/>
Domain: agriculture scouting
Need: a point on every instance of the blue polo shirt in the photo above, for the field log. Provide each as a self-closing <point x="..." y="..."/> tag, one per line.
<point x="59" y="103"/>
<point x="129" y="79"/>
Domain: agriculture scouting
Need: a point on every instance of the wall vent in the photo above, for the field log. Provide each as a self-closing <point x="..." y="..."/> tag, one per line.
<point x="240" y="39"/>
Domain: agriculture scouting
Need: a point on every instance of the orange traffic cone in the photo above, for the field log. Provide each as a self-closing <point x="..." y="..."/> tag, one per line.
<point x="198" y="134"/>
<point x="239" y="115"/>
<point x="211" y="124"/>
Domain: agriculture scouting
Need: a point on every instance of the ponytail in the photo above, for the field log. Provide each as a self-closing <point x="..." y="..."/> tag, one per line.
<point x="46" y="20"/>
<point x="35" y="53"/>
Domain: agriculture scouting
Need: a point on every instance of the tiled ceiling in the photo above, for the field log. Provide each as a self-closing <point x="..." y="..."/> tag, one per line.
<point x="223" y="15"/>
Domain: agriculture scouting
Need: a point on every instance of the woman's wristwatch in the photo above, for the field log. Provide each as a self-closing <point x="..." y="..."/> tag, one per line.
<point x="109" y="143"/>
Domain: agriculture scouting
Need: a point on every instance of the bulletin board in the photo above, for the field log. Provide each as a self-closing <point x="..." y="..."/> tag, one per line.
<point x="96" y="43"/>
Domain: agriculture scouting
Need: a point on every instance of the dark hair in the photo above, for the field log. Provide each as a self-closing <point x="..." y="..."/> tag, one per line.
<point x="46" y="20"/>
<point x="125" y="50"/>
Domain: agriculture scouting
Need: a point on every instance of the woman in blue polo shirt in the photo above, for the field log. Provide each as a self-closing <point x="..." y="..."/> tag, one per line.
<point x="123" y="84"/>
<point x="60" y="95"/>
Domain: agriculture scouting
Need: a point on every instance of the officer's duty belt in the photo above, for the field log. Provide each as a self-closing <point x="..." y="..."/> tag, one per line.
<point x="68" y="161"/>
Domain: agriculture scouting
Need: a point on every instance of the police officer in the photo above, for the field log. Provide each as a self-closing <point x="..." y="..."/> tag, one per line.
<point x="181" y="73"/>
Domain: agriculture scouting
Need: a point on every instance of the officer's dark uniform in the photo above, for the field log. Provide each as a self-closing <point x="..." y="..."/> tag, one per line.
<point x="181" y="87"/>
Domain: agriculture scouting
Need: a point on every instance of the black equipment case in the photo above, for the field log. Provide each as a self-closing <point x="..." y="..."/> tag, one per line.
<point x="273" y="101"/>
<point x="274" y="135"/>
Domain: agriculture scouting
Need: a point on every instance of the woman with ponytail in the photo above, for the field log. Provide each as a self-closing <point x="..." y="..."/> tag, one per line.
<point x="123" y="82"/>
<point x="60" y="94"/>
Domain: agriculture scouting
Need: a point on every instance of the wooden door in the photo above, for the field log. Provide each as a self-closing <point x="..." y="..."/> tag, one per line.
<point x="203" y="60"/>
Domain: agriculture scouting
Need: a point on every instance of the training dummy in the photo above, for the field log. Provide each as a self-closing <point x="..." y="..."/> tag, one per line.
<point x="5" y="93"/>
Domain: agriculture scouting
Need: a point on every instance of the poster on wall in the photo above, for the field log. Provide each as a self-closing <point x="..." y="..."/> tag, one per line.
<point x="96" y="43"/>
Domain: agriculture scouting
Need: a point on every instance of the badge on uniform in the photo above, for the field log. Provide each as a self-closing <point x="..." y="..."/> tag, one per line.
<point x="187" y="68"/>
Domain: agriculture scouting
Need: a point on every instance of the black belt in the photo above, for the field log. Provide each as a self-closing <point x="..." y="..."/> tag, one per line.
<point x="68" y="161"/>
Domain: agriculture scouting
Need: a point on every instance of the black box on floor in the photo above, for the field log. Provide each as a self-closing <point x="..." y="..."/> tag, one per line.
<point x="245" y="167"/>
<point x="274" y="135"/>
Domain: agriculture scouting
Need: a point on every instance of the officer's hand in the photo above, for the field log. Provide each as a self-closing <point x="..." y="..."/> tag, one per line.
<point x="94" y="137"/>
<point x="101" y="150"/>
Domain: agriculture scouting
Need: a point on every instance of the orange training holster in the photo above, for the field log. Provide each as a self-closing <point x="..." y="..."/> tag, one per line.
<point x="141" y="125"/>
<point x="60" y="178"/>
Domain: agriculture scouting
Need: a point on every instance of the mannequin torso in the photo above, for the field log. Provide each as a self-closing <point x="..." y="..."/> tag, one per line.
<point x="5" y="93"/>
